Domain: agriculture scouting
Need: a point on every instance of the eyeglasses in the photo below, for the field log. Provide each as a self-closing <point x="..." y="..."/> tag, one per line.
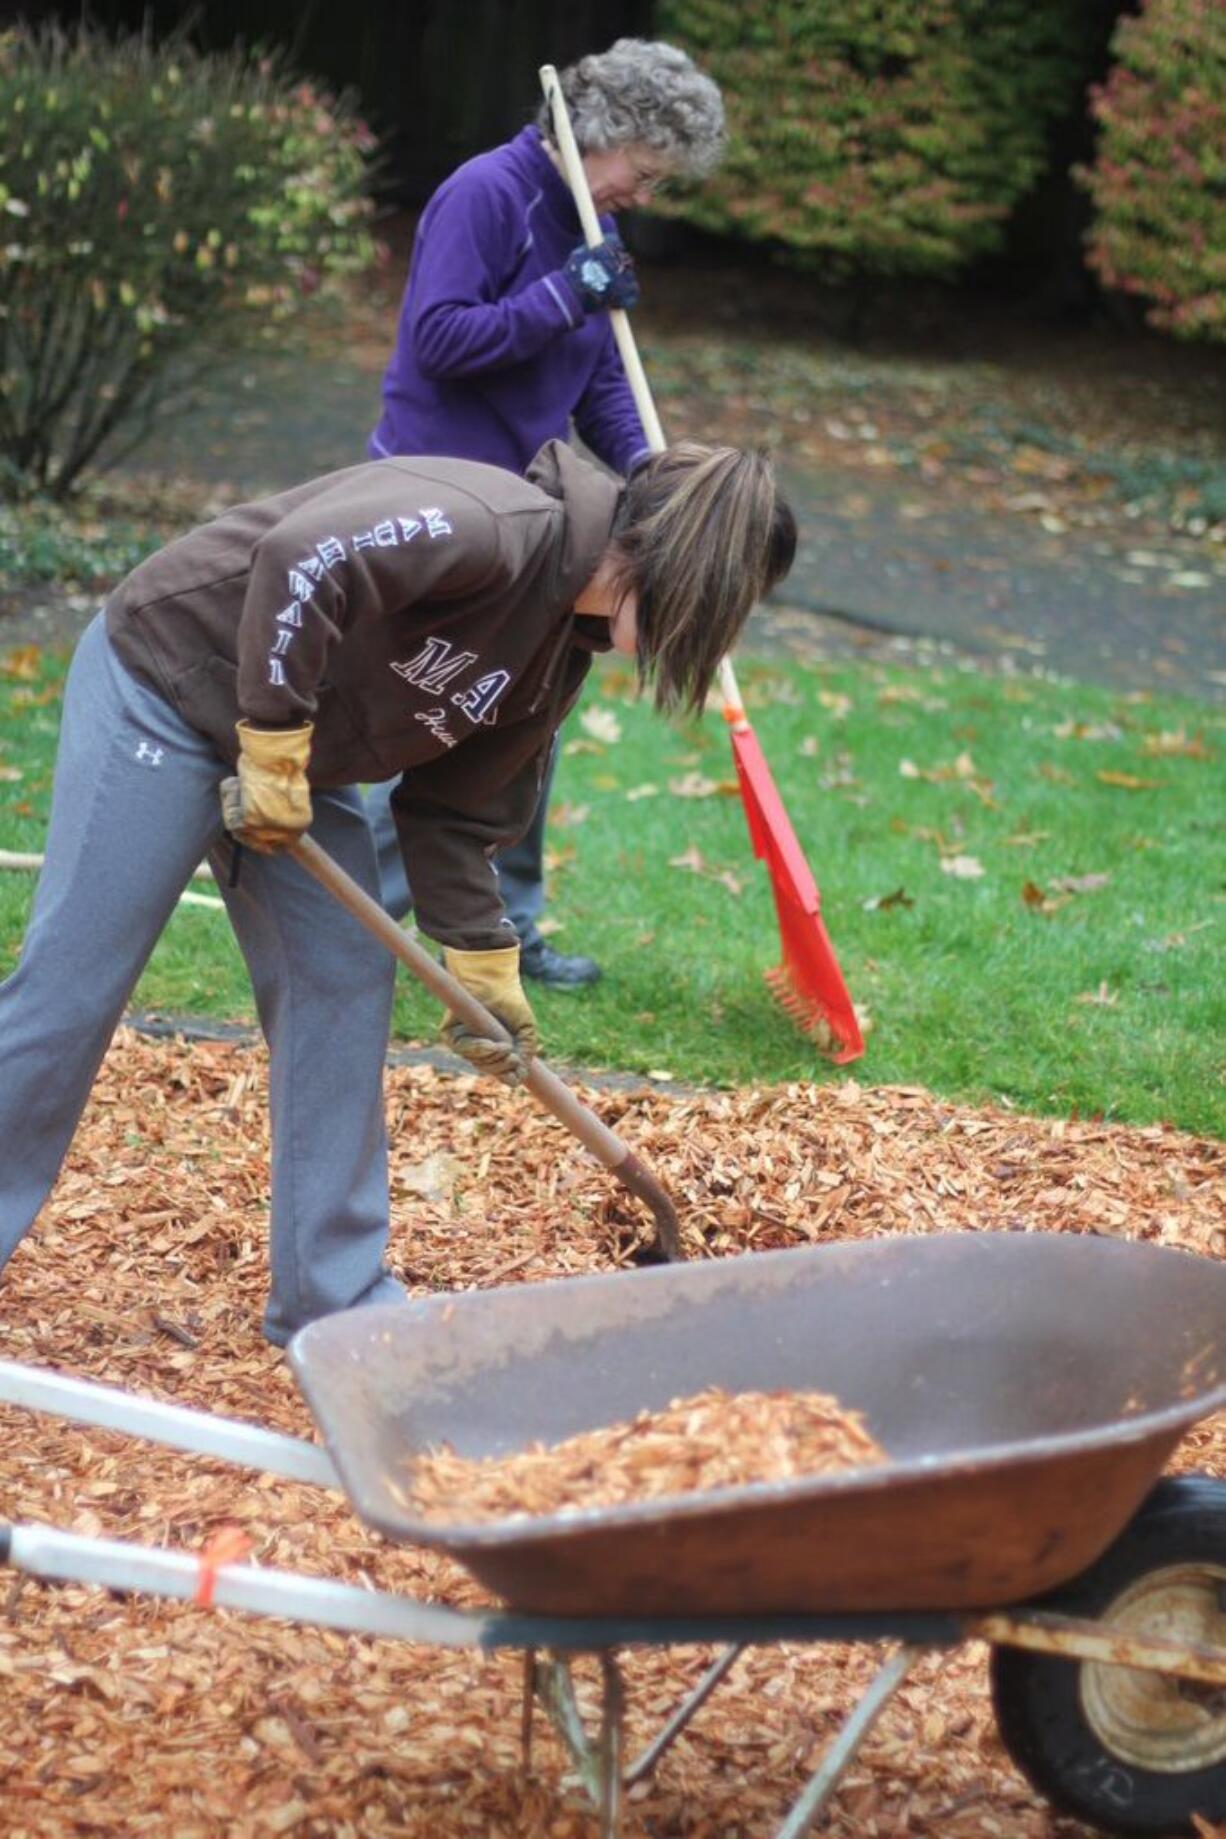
<point x="648" y="178"/>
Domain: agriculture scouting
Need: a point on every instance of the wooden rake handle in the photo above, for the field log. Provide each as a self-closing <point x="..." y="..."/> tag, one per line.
<point x="544" y="1085"/>
<point x="644" y="402"/>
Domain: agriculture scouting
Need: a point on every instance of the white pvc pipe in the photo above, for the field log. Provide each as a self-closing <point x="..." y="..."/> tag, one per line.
<point x="29" y="863"/>
<point x="82" y="1401"/>
<point x="112" y="1564"/>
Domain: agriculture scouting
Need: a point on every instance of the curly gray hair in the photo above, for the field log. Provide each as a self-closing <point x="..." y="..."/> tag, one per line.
<point x="644" y="92"/>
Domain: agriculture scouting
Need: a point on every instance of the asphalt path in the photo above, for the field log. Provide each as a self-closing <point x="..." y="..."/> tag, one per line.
<point x="887" y="565"/>
<point x="893" y="564"/>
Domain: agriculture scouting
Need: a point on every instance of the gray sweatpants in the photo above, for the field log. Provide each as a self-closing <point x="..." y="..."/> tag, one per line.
<point x="134" y="809"/>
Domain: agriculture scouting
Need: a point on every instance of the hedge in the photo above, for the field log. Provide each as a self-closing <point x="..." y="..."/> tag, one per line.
<point x="1159" y="177"/>
<point x="883" y="135"/>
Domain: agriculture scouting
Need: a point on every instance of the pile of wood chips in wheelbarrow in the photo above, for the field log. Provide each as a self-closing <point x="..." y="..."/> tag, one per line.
<point x="148" y="1272"/>
<point x="712" y="1439"/>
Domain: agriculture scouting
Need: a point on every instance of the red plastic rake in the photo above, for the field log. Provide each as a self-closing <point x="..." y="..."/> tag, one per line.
<point x="808" y="983"/>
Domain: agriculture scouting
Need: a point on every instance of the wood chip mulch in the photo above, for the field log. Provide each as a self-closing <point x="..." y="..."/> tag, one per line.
<point x="712" y="1439"/>
<point x="147" y="1271"/>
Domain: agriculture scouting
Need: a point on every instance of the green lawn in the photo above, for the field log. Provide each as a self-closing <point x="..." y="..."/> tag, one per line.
<point x="1025" y="883"/>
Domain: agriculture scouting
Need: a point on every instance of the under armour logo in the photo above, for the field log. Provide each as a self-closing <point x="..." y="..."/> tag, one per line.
<point x="152" y="756"/>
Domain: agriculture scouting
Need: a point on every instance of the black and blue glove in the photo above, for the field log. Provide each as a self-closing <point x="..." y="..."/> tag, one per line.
<point x="603" y="276"/>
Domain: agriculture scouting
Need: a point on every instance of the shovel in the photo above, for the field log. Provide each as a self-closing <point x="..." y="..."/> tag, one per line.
<point x="544" y="1085"/>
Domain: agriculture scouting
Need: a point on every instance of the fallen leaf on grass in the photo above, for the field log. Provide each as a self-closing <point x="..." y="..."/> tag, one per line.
<point x="842" y="774"/>
<point x="963" y="868"/>
<point x="809" y="747"/>
<point x="1034" y="897"/>
<point x="924" y="833"/>
<point x="38" y="699"/>
<point x="564" y="816"/>
<point x="1174" y="941"/>
<point x="1176" y="742"/>
<point x="963" y="771"/>
<point x="580" y="746"/>
<point x="615" y="681"/>
<point x="1080" y="884"/>
<point x="642" y="791"/>
<point x="602" y="724"/>
<point x="1026" y="839"/>
<point x="762" y="692"/>
<point x="838" y="704"/>
<point x="961" y="768"/>
<point x="697" y="785"/>
<point x="882" y="903"/>
<point x="1087" y="731"/>
<point x="21" y="662"/>
<point x="1101" y="998"/>
<point x="11" y="774"/>
<point x="1129" y="782"/>
<point x="696" y="863"/>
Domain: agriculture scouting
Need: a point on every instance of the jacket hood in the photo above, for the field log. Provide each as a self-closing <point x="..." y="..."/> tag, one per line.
<point x="590" y="497"/>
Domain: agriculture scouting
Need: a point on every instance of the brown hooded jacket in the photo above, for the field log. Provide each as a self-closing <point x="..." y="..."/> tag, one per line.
<point x="420" y="613"/>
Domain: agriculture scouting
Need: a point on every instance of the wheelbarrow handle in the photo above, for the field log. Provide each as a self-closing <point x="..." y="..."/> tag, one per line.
<point x="544" y="1085"/>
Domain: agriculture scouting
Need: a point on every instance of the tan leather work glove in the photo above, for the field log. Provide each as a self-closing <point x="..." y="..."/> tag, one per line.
<point x="493" y="978"/>
<point x="268" y="806"/>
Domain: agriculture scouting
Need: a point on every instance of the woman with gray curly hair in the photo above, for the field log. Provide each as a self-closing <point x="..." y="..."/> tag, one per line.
<point x="504" y="336"/>
<point x="649" y="103"/>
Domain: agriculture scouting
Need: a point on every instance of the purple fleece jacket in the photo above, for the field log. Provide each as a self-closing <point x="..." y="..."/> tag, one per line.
<point x="494" y="353"/>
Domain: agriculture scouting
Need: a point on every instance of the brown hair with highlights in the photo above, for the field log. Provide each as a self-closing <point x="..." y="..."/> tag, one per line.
<point x="701" y="534"/>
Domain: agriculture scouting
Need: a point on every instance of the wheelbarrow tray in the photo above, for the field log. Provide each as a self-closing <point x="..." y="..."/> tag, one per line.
<point x="1028" y="1388"/>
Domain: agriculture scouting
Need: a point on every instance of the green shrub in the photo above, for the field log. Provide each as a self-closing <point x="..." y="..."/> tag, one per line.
<point x="886" y="135"/>
<point x="159" y="208"/>
<point x="1159" y="179"/>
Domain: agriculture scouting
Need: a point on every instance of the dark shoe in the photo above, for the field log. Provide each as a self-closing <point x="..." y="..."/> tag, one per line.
<point x="545" y="965"/>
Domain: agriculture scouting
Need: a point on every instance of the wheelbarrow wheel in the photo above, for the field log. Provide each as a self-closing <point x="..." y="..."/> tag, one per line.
<point x="1127" y="1751"/>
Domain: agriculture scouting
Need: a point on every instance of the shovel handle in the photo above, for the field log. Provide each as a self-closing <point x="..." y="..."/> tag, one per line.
<point x="644" y="402"/>
<point x="544" y="1085"/>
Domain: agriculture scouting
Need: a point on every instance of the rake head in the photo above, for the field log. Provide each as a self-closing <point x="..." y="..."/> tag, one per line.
<point x="832" y="1025"/>
<point x="808" y="984"/>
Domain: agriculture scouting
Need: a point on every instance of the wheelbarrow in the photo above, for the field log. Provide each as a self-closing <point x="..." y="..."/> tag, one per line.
<point x="1029" y="1389"/>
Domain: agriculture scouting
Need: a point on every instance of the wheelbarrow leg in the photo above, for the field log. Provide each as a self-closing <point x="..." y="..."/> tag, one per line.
<point x="599" y="1764"/>
<point x="528" y="1710"/>
<point x="839" y="1756"/>
<point x="642" y="1767"/>
<point x="612" y="1732"/>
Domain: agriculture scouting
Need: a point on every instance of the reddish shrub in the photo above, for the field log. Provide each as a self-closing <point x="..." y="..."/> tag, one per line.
<point x="1159" y="179"/>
